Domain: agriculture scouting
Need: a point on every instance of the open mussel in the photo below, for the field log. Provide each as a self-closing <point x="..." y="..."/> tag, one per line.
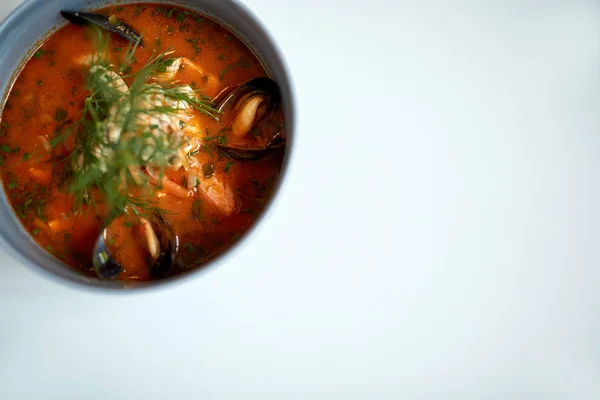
<point x="246" y="108"/>
<point x="157" y="239"/>
<point x="262" y="86"/>
<point x="110" y="24"/>
<point x="251" y="153"/>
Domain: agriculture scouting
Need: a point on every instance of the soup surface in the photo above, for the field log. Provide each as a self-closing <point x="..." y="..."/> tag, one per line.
<point x="73" y="162"/>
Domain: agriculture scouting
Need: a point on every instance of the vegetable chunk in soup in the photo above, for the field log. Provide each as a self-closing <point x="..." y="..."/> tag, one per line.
<point x="102" y="137"/>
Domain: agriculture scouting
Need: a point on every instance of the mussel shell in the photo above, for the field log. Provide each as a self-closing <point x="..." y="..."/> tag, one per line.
<point x="120" y="28"/>
<point x="262" y="85"/>
<point x="108" y="268"/>
<point x="104" y="265"/>
<point x="251" y="154"/>
<point x="169" y="243"/>
<point x="259" y="86"/>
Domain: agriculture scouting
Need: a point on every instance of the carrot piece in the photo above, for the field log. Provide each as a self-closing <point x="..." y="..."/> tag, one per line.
<point x="42" y="226"/>
<point x="41" y="175"/>
<point x="170" y="187"/>
<point x="60" y="225"/>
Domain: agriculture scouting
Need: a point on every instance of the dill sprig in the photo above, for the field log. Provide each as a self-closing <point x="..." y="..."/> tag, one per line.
<point x="114" y="140"/>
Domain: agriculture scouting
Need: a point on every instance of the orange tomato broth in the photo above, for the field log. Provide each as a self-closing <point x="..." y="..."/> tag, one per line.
<point x="50" y="91"/>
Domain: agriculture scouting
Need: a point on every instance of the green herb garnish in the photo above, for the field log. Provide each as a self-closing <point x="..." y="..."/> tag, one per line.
<point x="197" y="210"/>
<point x="7" y="149"/>
<point x="3" y="127"/>
<point x="242" y="63"/>
<point x="189" y="247"/>
<point x="103" y="160"/>
<point x="60" y="114"/>
<point x="223" y="72"/>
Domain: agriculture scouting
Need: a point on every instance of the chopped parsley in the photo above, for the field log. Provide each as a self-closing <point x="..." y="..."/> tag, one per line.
<point x="189" y="247"/>
<point x="12" y="184"/>
<point x="60" y="114"/>
<point x="3" y="128"/>
<point x="242" y="63"/>
<point x="39" y="53"/>
<point x="7" y="149"/>
<point x="221" y="139"/>
<point x="197" y="210"/>
<point x="223" y="72"/>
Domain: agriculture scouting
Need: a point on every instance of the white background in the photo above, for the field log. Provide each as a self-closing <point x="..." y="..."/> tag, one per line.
<point x="437" y="236"/>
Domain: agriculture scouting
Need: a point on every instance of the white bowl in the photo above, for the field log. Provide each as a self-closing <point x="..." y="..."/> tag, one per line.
<point x="33" y="22"/>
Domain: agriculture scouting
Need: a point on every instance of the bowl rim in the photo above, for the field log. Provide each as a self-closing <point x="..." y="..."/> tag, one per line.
<point x="71" y="277"/>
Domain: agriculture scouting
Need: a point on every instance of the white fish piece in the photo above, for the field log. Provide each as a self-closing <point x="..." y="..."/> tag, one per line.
<point x="169" y="75"/>
<point x="112" y="79"/>
<point x="173" y="128"/>
<point x="219" y="193"/>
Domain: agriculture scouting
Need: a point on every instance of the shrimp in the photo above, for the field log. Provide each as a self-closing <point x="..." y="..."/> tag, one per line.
<point x="189" y="71"/>
<point x="219" y="193"/>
